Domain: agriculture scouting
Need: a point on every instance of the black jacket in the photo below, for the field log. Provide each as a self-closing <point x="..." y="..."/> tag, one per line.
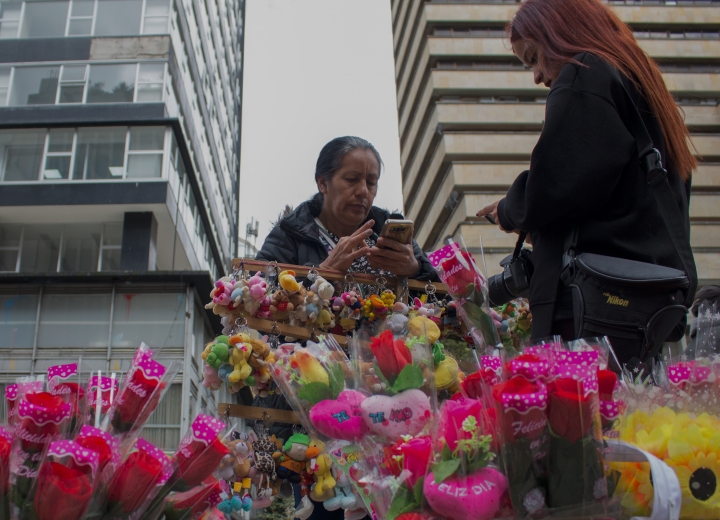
<point x="584" y="169"/>
<point x="296" y="240"/>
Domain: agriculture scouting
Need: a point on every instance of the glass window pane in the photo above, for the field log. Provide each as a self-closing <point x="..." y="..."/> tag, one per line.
<point x="34" y="86"/>
<point x="57" y="167"/>
<point x="157" y="7"/>
<point x="110" y="260"/>
<point x="74" y="72"/>
<point x="152" y="72"/>
<point x="80" y="27"/>
<point x="149" y="92"/>
<point x="74" y="320"/>
<point x="83" y="7"/>
<point x="100" y="153"/>
<point x="8" y="260"/>
<point x="21" y="154"/>
<point x="41" y="245"/>
<point x="10" y="235"/>
<point x="72" y="94"/>
<point x="81" y="245"/>
<point x="112" y="235"/>
<point x="147" y="138"/>
<point x="44" y="19"/>
<point x="162" y="428"/>
<point x="156" y="25"/>
<point x="17" y="328"/>
<point x="111" y="84"/>
<point x="144" y="166"/>
<point x="61" y="140"/>
<point x="118" y="17"/>
<point x="9" y="19"/>
<point x="156" y="319"/>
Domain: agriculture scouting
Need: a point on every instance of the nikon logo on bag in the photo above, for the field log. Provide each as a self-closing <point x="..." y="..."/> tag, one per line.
<point x="615" y="300"/>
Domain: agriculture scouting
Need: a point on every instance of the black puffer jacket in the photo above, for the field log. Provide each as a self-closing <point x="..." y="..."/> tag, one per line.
<point x="296" y="239"/>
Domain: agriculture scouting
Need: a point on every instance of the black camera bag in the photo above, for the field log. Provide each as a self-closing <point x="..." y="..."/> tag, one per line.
<point x="637" y="305"/>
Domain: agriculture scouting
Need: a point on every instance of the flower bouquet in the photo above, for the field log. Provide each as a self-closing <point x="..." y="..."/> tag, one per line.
<point x="101" y="392"/>
<point x="5" y="448"/>
<point x="192" y="504"/>
<point x="65" y="381"/>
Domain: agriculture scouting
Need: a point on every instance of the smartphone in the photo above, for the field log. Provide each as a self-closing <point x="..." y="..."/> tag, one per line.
<point x="398" y="230"/>
<point x="491" y="219"/>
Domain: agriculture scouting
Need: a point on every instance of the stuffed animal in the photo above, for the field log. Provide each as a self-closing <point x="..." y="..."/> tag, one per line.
<point x="397" y="323"/>
<point x="371" y="379"/>
<point x="280" y="306"/>
<point x="422" y="326"/>
<point x="254" y="294"/>
<point x="260" y="351"/>
<point x="287" y="281"/>
<point x="323" y="289"/>
<point x="264" y="453"/>
<point x="239" y="355"/>
<point x="325" y="319"/>
<point x="221" y="303"/>
<point x="321" y="467"/>
<point x="217" y="352"/>
<point x="344" y="498"/>
<point x="295" y="452"/>
<point x="309" y="367"/>
<point x="211" y="380"/>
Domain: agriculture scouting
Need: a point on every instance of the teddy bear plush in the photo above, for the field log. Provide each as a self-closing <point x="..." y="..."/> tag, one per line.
<point x="280" y="306"/>
<point x="211" y="380"/>
<point x="240" y="353"/>
<point x="260" y="351"/>
<point x="323" y="289"/>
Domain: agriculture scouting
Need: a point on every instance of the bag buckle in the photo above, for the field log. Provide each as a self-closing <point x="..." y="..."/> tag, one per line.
<point x="651" y="163"/>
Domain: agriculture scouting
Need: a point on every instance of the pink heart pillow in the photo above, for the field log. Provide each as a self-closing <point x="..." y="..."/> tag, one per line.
<point x="391" y="417"/>
<point x="340" y="418"/>
<point x="474" y="497"/>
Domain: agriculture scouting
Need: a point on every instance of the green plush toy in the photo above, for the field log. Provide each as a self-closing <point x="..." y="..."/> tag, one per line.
<point x="217" y="353"/>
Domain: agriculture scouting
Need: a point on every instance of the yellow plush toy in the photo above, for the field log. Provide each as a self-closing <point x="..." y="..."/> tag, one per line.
<point x="287" y="281"/>
<point x="239" y="356"/>
<point x="421" y="326"/>
<point x="321" y="467"/>
<point x="310" y="368"/>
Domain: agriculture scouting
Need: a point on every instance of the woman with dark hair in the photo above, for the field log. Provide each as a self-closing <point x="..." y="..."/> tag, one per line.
<point x="584" y="171"/>
<point x="337" y="228"/>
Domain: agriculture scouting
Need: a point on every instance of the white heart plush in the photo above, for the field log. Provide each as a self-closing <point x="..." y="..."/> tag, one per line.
<point x="406" y="413"/>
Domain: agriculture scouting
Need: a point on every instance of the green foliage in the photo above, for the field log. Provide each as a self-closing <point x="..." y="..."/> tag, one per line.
<point x="280" y="509"/>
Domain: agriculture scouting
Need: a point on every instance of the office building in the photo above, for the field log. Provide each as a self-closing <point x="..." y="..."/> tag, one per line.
<point x="470" y="114"/>
<point x="119" y="175"/>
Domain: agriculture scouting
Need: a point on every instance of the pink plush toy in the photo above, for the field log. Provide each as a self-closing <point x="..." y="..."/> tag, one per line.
<point x="211" y="379"/>
<point x="221" y="294"/>
<point x="391" y="417"/>
<point x="475" y="497"/>
<point x="340" y="418"/>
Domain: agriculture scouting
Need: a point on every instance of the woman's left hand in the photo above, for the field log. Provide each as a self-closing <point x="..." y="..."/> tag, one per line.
<point x="394" y="257"/>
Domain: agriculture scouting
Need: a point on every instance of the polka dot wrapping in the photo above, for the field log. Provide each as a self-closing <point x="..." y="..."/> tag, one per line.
<point x="679" y="373"/>
<point x="41" y="415"/>
<point x="585" y="358"/>
<point x="81" y="455"/>
<point x="62" y="372"/>
<point x="611" y="410"/>
<point x="104" y="382"/>
<point x="206" y="428"/>
<point x="441" y="254"/>
<point x="112" y="442"/>
<point x="523" y="403"/>
<point x="532" y="370"/>
<point x="155" y="452"/>
<point x="11" y="392"/>
<point x="4" y="433"/>
<point x="587" y="375"/>
<point x="150" y="368"/>
<point x="491" y="362"/>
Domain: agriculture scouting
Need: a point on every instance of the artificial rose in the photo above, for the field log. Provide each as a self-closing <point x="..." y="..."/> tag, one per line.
<point x="569" y="409"/>
<point x="5" y="448"/>
<point x="391" y="355"/>
<point x="460" y="274"/>
<point x="138" y="399"/>
<point x="189" y="505"/>
<point x="413" y="456"/>
<point x="134" y="481"/>
<point x="35" y="436"/>
<point x="63" y="493"/>
<point x="532" y="366"/>
<point x="473" y="384"/>
<point x="606" y="384"/>
<point x="99" y="446"/>
<point x="512" y="423"/>
<point x="197" y="461"/>
<point x="452" y="415"/>
<point x="71" y="393"/>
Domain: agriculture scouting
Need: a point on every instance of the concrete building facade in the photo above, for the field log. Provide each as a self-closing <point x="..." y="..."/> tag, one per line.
<point x="119" y="176"/>
<point x="470" y="113"/>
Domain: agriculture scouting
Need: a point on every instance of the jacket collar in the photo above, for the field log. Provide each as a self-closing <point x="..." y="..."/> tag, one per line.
<point x="301" y="222"/>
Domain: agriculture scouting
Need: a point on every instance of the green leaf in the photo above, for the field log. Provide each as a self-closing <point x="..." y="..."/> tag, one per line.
<point x="409" y="377"/>
<point x="447" y="453"/>
<point x="418" y="491"/>
<point x="337" y="379"/>
<point x="315" y="392"/>
<point x="403" y="502"/>
<point x="442" y="470"/>
<point x="379" y="373"/>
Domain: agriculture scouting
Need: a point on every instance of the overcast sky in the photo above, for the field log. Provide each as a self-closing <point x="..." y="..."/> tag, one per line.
<point x="314" y="70"/>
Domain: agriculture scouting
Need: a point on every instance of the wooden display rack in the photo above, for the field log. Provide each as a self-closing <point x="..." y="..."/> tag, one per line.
<point x="399" y="285"/>
<point x="256" y="413"/>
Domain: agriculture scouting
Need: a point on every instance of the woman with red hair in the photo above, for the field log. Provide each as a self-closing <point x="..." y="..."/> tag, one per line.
<point x="585" y="171"/>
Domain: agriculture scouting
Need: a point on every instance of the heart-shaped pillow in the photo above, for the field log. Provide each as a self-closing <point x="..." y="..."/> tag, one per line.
<point x="474" y="497"/>
<point x="391" y="417"/>
<point x="340" y="418"/>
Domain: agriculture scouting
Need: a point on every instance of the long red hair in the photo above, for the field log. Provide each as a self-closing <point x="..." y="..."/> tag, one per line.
<point x="564" y="28"/>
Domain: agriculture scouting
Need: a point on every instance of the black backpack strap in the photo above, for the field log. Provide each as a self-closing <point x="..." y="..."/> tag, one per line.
<point x="657" y="179"/>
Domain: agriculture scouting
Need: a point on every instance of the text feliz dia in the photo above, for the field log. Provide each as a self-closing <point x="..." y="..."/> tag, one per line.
<point x="457" y="491"/>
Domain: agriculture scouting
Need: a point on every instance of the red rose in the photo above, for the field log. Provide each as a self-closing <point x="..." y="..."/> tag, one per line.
<point x="391" y="355"/>
<point x="513" y="422"/>
<point x="459" y="275"/>
<point x="99" y="446"/>
<point x="197" y="461"/>
<point x="5" y="446"/>
<point x="473" y="384"/>
<point x="137" y="401"/>
<point x="71" y="393"/>
<point x="134" y="481"/>
<point x="196" y="500"/>
<point x="36" y="436"/>
<point x="63" y="493"/>
<point x="569" y="409"/>
<point x="606" y="383"/>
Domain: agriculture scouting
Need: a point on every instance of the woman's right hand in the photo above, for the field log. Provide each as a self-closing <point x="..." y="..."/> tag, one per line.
<point x="349" y="248"/>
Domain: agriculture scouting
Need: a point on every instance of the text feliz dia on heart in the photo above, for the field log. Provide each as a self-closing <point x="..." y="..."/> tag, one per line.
<point x="457" y="491"/>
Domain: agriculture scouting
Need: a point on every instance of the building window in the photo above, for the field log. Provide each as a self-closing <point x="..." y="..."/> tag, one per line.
<point x="151" y="78"/>
<point x="74" y="321"/>
<point x="111" y="84"/>
<point x="4" y="84"/>
<point x="157" y="13"/>
<point x="118" y="17"/>
<point x="9" y="19"/>
<point x="83" y="154"/>
<point x="163" y="427"/>
<point x="82" y="16"/>
<point x="34" y="85"/>
<point x="44" y="19"/>
<point x="60" y="247"/>
<point x="21" y="154"/>
<point x="17" y="328"/>
<point x="156" y="319"/>
<point x="72" y="83"/>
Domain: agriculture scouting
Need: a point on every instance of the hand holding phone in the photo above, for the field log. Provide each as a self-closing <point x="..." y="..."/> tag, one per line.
<point x="398" y="230"/>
